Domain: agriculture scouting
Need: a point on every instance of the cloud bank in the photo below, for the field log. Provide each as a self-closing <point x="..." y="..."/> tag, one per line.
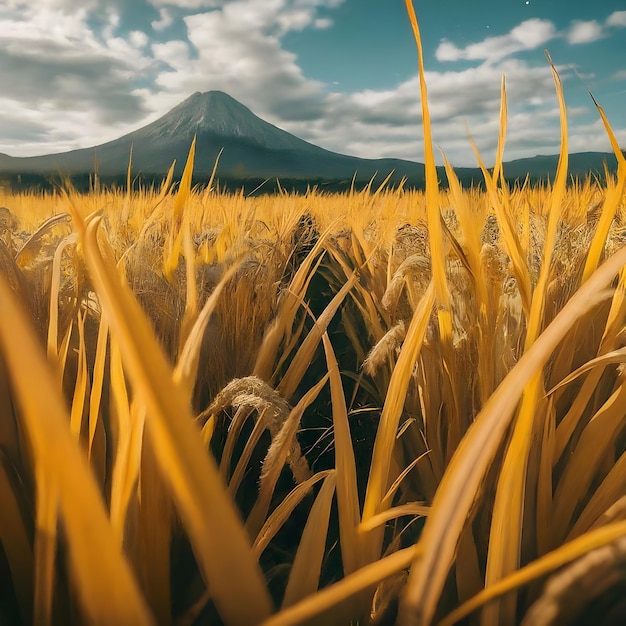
<point x="76" y="74"/>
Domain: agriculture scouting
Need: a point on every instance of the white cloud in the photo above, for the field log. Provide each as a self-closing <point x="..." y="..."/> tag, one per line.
<point x="528" y="35"/>
<point x="67" y="83"/>
<point x="617" y="19"/>
<point x="189" y="4"/>
<point x="375" y="123"/>
<point x="66" y="78"/>
<point x="246" y="62"/>
<point x="165" y="20"/>
<point x="138" y="38"/>
<point x="584" y="32"/>
<point x="322" y="23"/>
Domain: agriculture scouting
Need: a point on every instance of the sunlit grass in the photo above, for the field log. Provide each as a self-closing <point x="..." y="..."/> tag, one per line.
<point x="213" y="406"/>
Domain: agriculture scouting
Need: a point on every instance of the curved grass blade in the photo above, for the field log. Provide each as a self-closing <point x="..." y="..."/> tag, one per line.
<point x="209" y="516"/>
<point x="14" y="539"/>
<point x="307" y="565"/>
<point x="282" y="512"/>
<point x="331" y="606"/>
<point x="614" y="195"/>
<point x="542" y="566"/>
<point x="462" y="480"/>
<point x="347" y="490"/>
<point x="277" y="455"/>
<point x="106" y="588"/>
<point x="508" y="512"/>
<point x="377" y="484"/>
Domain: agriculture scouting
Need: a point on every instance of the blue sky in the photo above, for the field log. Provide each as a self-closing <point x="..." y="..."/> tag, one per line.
<point x="338" y="73"/>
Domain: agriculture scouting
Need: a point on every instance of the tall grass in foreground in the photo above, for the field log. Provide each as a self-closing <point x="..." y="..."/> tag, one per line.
<point x="373" y="407"/>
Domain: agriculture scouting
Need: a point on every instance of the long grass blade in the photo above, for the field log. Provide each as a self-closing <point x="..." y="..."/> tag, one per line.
<point x="14" y="539"/>
<point x="347" y="489"/>
<point x="461" y="482"/>
<point x="378" y="480"/>
<point x="305" y="572"/>
<point x="542" y="566"/>
<point x="508" y="513"/>
<point x="107" y="590"/>
<point x="328" y="606"/>
<point x="214" y="526"/>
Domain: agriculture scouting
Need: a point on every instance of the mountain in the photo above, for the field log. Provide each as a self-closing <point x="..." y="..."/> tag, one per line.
<point x="252" y="148"/>
<point x="579" y="165"/>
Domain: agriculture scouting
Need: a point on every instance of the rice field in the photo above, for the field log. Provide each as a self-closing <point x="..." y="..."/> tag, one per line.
<point x="378" y="407"/>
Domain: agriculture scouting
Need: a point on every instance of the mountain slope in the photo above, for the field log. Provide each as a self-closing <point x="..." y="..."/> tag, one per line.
<point x="252" y="148"/>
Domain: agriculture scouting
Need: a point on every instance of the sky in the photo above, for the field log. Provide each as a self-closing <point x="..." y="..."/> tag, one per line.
<point x="339" y="73"/>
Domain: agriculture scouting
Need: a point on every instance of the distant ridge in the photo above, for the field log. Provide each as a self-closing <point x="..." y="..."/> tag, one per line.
<point x="253" y="148"/>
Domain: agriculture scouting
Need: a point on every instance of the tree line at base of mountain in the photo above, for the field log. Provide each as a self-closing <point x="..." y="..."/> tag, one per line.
<point x="86" y="183"/>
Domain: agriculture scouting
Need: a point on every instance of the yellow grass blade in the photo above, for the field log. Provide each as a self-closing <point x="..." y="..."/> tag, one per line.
<point x="600" y="362"/>
<point x="388" y="499"/>
<point x="544" y="480"/>
<point x="208" y="514"/>
<point x="97" y="381"/>
<point x="306" y="351"/>
<point x="184" y="188"/>
<point x="126" y="468"/>
<point x="610" y="490"/>
<point x="281" y="448"/>
<point x="283" y="511"/>
<point x="347" y="491"/>
<point x="45" y="548"/>
<point x="498" y="172"/>
<point x="596" y="442"/>
<point x="80" y="389"/>
<point x="14" y="539"/>
<point x="410" y="508"/>
<point x="554" y="217"/>
<point x="614" y="195"/>
<point x="63" y="350"/>
<point x="119" y="393"/>
<point x="106" y="588"/>
<point x="190" y="313"/>
<point x="435" y="233"/>
<point x="460" y="485"/>
<point x="152" y="218"/>
<point x="542" y="566"/>
<point x="29" y="247"/>
<point x="500" y="203"/>
<point x="328" y="606"/>
<point x="186" y="369"/>
<point x="293" y="297"/>
<point x="53" y="317"/>
<point x="173" y="246"/>
<point x="126" y="208"/>
<point x="508" y="512"/>
<point x="305" y="571"/>
<point x="377" y="484"/>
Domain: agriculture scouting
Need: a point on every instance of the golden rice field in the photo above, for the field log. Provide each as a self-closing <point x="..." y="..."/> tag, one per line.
<point x="382" y="407"/>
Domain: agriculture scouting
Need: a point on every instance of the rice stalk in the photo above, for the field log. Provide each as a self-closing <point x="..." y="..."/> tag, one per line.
<point x="505" y="541"/>
<point x="191" y="475"/>
<point x="105" y="585"/>
<point x="307" y="564"/>
<point x="461" y="482"/>
<point x="15" y="540"/>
